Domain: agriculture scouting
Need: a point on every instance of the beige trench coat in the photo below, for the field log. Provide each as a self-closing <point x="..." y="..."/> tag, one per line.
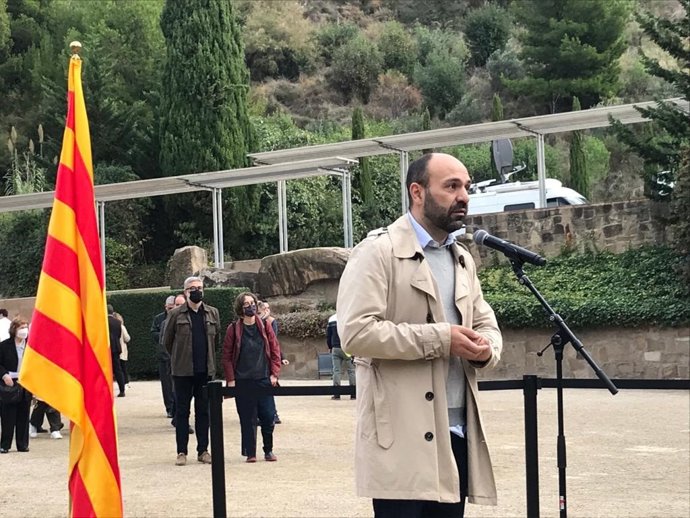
<point x="391" y="318"/>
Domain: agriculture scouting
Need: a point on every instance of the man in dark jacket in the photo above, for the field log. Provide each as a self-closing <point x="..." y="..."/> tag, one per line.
<point x="164" y="372"/>
<point x="114" y="334"/>
<point x="340" y="359"/>
<point x="191" y="337"/>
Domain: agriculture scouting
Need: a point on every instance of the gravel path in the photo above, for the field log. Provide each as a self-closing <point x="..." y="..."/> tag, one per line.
<point x="628" y="456"/>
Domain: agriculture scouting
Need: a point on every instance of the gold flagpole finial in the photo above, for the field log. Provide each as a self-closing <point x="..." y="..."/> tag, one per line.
<point x="75" y="47"/>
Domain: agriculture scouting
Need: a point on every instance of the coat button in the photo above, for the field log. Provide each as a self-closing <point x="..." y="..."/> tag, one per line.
<point x="429" y="396"/>
<point x="429" y="436"/>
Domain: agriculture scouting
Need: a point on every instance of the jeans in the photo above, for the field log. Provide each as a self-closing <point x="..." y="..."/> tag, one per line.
<point x="384" y="508"/>
<point x="41" y="410"/>
<point x="340" y="360"/>
<point x="250" y="406"/>
<point x="186" y="388"/>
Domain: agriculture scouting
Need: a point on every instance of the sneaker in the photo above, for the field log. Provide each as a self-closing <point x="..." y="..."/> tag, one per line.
<point x="270" y="457"/>
<point x="121" y="394"/>
<point x="33" y="433"/>
<point x="251" y="459"/>
<point x="181" y="459"/>
<point x="204" y="457"/>
<point x="335" y="397"/>
<point x="56" y="435"/>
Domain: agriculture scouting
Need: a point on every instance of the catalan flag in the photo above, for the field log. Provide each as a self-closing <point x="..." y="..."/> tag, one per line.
<point x="67" y="362"/>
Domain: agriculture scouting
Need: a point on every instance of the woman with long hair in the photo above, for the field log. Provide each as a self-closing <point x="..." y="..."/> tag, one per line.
<point x="251" y="359"/>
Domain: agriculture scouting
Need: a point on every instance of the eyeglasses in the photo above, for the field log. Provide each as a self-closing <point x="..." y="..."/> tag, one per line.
<point x="195" y="288"/>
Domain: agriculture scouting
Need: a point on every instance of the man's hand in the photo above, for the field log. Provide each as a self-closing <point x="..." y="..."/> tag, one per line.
<point x="468" y="344"/>
<point x="8" y="380"/>
<point x="230" y="383"/>
<point x="274" y="380"/>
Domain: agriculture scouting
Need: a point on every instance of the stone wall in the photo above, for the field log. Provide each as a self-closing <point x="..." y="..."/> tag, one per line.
<point x="614" y="227"/>
<point x="647" y="353"/>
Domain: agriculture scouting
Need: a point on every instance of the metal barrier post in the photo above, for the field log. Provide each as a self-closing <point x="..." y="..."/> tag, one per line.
<point x="530" y="387"/>
<point x="215" y="401"/>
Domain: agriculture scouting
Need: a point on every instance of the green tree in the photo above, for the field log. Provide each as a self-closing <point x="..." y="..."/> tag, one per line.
<point x="440" y="69"/>
<point x="496" y="108"/>
<point x="426" y="126"/>
<point x="355" y="69"/>
<point x="333" y="36"/>
<point x="366" y="188"/>
<point x="204" y="121"/>
<point x="579" y="176"/>
<point x="278" y="40"/>
<point x="398" y="48"/>
<point x="570" y="48"/>
<point x="680" y="206"/>
<point x="660" y="145"/>
<point x="487" y="29"/>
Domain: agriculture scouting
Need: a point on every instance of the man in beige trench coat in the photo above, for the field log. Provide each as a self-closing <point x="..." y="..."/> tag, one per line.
<point x="411" y="311"/>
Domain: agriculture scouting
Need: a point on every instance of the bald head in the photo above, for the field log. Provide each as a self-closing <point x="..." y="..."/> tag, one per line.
<point x="427" y="164"/>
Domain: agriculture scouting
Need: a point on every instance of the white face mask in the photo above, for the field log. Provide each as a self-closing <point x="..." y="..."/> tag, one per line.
<point x="22" y="333"/>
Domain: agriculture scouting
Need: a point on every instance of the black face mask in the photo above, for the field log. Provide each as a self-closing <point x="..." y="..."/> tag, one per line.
<point x="250" y="311"/>
<point x="196" y="296"/>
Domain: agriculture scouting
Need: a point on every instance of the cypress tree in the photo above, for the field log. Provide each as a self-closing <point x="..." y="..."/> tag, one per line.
<point x="496" y="109"/>
<point x="579" y="177"/>
<point x="204" y="124"/>
<point x="680" y="206"/>
<point x="426" y="125"/>
<point x="366" y="185"/>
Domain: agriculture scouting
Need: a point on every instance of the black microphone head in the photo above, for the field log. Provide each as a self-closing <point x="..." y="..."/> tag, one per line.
<point x="479" y="236"/>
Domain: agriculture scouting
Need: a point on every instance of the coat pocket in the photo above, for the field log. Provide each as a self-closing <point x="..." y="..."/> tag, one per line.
<point x="378" y="406"/>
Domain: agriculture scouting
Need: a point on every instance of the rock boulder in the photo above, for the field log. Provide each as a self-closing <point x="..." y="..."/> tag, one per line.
<point x="186" y="261"/>
<point x="294" y="272"/>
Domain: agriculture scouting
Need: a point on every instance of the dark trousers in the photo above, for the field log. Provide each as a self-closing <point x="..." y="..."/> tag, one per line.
<point x="123" y="366"/>
<point x="250" y="406"/>
<point x="166" y="384"/>
<point x="14" y="418"/>
<point x="186" y="388"/>
<point x="429" y="509"/>
<point x="117" y="373"/>
<point x="43" y="409"/>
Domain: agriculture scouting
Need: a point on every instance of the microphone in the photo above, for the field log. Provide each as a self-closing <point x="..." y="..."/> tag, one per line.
<point x="511" y="251"/>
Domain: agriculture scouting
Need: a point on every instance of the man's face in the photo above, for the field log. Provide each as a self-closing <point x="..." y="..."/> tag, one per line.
<point x="168" y="307"/>
<point x="446" y="195"/>
<point x="194" y="286"/>
<point x="179" y="301"/>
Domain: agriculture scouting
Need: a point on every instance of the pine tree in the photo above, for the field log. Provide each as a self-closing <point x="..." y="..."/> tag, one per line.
<point x="660" y="144"/>
<point x="204" y="121"/>
<point x="570" y="48"/>
<point x="366" y="186"/>
<point x="579" y="176"/>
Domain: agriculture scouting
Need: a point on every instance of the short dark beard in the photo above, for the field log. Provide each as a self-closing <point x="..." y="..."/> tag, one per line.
<point x="441" y="218"/>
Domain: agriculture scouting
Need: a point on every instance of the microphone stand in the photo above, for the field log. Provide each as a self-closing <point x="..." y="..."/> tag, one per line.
<point x="558" y="341"/>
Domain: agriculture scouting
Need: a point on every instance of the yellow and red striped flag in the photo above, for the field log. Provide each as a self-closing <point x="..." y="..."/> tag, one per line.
<point x="67" y="362"/>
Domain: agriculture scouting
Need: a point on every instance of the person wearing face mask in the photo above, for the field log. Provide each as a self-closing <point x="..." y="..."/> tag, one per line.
<point x="14" y="415"/>
<point x="251" y="360"/>
<point x="191" y="336"/>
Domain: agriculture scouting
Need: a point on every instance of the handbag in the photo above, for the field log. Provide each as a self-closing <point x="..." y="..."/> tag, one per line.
<point x="11" y="395"/>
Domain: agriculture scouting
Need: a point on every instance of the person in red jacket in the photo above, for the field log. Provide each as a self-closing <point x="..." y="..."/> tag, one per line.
<point x="251" y="359"/>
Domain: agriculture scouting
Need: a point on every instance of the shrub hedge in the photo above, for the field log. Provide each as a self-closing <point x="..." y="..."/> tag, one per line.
<point x="637" y="288"/>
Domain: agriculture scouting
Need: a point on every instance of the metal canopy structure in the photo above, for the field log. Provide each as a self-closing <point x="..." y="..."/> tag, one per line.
<point x="536" y="126"/>
<point x="280" y="166"/>
<point x="214" y="182"/>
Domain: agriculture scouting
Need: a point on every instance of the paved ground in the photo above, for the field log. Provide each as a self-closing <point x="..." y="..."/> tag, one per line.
<point x="628" y="456"/>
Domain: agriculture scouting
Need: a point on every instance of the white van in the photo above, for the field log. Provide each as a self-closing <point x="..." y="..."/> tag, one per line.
<point x="490" y="196"/>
